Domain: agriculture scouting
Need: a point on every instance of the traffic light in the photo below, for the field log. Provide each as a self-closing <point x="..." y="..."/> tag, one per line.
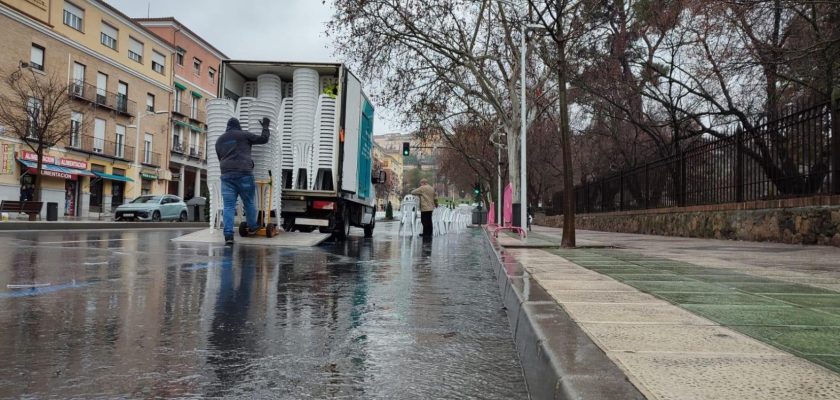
<point x="477" y="189"/>
<point x="405" y="149"/>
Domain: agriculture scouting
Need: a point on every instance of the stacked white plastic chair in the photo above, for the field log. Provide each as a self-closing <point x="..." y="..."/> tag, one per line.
<point x="437" y="222"/>
<point x="250" y="89"/>
<point x="408" y="215"/>
<point x="326" y="125"/>
<point x="306" y="85"/>
<point x="219" y="111"/>
<point x="263" y="155"/>
<point x="284" y="156"/>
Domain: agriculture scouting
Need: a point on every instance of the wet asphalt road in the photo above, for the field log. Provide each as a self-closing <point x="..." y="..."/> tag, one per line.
<point x="131" y="314"/>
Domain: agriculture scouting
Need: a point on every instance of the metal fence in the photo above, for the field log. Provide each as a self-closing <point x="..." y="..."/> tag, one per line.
<point x="791" y="156"/>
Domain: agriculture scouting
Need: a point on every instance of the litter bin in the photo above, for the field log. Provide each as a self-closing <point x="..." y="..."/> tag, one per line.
<point x="195" y="208"/>
<point x="479" y="217"/>
<point x="52" y="211"/>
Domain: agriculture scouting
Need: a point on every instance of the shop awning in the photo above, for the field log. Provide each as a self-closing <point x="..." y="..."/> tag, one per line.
<point x="180" y="86"/>
<point x="55" y="171"/>
<point x="196" y="94"/>
<point x="197" y="128"/>
<point x="181" y="123"/>
<point x="113" y="177"/>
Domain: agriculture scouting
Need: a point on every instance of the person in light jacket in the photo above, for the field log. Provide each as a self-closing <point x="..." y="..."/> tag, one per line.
<point x="428" y="201"/>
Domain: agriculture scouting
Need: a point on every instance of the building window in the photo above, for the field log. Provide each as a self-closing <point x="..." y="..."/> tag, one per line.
<point x="194" y="108"/>
<point x="196" y="66"/>
<point x="177" y="143"/>
<point x="33" y="117"/>
<point x="76" y="129"/>
<point x="120" y="142"/>
<point x="36" y="58"/>
<point x="98" y="135"/>
<point x="150" y="102"/>
<point x="135" y="50"/>
<point x="179" y="56"/>
<point x="179" y="94"/>
<point x="122" y="96"/>
<point x="158" y="62"/>
<point x="101" y="88"/>
<point x="74" y="16"/>
<point x="109" y="36"/>
<point x="147" y="149"/>
<point x="194" y="149"/>
<point x="212" y="73"/>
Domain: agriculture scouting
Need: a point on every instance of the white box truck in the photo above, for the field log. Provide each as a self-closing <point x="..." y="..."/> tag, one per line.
<point x="338" y="192"/>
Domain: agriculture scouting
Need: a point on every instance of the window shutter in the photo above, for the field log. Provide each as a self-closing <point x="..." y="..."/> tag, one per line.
<point x="159" y="58"/>
<point x="109" y="30"/>
<point x="135" y="46"/>
<point x="73" y="10"/>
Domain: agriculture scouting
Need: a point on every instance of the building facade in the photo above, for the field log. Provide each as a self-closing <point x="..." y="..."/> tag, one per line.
<point x="392" y="163"/>
<point x="196" y="80"/>
<point x="120" y="78"/>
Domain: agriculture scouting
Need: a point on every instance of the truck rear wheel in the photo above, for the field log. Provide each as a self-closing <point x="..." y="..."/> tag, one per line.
<point x="369" y="229"/>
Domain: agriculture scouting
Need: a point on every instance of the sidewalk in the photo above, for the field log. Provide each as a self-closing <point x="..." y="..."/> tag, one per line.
<point x="695" y="318"/>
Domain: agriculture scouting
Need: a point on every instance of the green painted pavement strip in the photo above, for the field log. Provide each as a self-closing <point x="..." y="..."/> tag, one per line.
<point x="779" y="287"/>
<point x="801" y="319"/>
<point x="681" y="298"/>
<point x="770" y="315"/>
<point x="654" y="287"/>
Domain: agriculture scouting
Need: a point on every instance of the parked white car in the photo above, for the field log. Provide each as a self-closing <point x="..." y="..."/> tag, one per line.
<point x="153" y="208"/>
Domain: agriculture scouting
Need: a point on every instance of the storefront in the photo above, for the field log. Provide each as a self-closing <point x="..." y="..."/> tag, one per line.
<point x="147" y="179"/>
<point x="118" y="181"/>
<point x="61" y="180"/>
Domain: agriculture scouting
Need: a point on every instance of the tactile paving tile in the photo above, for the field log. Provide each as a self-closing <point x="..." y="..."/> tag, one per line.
<point x="674" y="338"/>
<point x="754" y="377"/>
<point x="633" y="313"/>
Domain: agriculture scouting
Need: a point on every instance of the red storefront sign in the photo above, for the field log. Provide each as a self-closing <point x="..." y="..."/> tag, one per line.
<point x="64" y="162"/>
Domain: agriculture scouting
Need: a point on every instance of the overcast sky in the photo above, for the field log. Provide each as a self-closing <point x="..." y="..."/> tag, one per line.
<point x="288" y="30"/>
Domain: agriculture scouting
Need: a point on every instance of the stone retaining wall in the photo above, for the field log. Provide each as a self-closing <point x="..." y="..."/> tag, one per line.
<point x="801" y="225"/>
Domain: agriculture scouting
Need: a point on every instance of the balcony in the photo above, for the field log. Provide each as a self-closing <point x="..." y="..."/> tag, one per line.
<point x="198" y="115"/>
<point x="102" y="98"/>
<point x="181" y="108"/>
<point x="178" y="147"/>
<point x="196" y="152"/>
<point x="108" y="148"/>
<point x="151" y="159"/>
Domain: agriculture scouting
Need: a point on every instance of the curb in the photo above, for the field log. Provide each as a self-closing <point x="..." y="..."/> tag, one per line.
<point x="62" y="226"/>
<point x="559" y="360"/>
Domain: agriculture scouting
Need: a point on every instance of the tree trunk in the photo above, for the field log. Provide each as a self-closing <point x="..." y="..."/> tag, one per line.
<point x="568" y="239"/>
<point x="36" y="195"/>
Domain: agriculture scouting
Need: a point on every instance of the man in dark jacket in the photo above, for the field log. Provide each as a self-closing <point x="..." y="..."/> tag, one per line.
<point x="234" y="151"/>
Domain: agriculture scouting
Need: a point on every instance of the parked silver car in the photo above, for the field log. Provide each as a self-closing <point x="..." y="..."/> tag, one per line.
<point x="153" y="208"/>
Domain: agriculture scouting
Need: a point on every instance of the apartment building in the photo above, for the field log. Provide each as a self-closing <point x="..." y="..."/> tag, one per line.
<point x="390" y="161"/>
<point x="196" y="80"/>
<point x="120" y="77"/>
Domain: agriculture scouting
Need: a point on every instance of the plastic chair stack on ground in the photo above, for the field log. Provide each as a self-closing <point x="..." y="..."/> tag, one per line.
<point x="408" y="215"/>
<point x="507" y="215"/>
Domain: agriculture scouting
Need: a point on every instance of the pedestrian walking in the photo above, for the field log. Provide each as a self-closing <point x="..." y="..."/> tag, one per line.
<point x="428" y="201"/>
<point x="234" y="151"/>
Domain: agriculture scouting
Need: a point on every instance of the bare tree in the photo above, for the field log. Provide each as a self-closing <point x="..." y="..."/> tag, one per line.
<point x="440" y="61"/>
<point x="566" y="21"/>
<point x="37" y="110"/>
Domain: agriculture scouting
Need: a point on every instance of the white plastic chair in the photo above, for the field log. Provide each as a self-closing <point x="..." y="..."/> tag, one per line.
<point x="408" y="215"/>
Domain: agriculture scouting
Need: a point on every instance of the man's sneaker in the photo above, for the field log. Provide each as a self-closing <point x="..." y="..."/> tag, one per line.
<point x="229" y="241"/>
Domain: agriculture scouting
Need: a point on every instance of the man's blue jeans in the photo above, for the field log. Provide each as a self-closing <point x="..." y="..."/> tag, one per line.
<point x="243" y="186"/>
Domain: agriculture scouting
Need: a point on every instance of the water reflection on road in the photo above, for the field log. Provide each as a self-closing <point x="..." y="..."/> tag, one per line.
<point x="132" y="314"/>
